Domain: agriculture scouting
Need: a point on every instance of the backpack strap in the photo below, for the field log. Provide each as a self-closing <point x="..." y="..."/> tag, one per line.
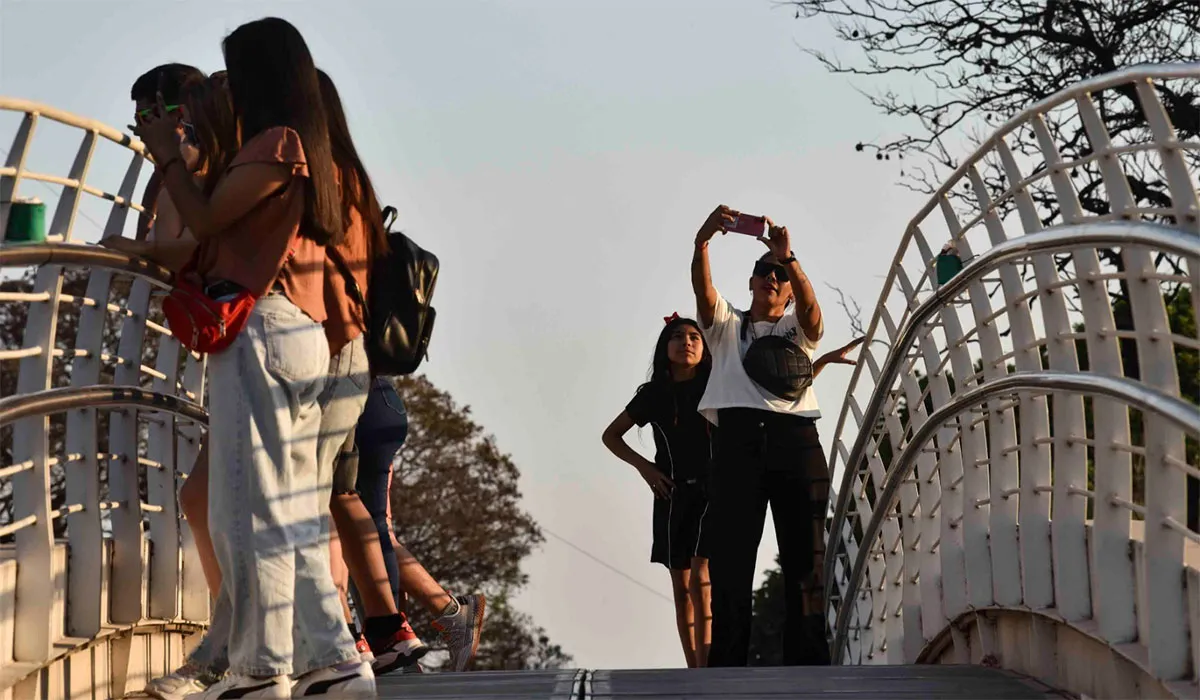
<point x="388" y="215"/>
<point x="352" y="287"/>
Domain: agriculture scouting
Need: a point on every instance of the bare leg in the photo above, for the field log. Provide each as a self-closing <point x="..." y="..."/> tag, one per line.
<point x="193" y="500"/>
<point x="701" y="594"/>
<point x="416" y="582"/>
<point x="362" y="554"/>
<point x="341" y="574"/>
<point x="680" y="584"/>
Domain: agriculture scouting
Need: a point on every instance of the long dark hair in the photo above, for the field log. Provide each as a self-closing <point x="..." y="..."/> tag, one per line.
<point x="357" y="190"/>
<point x="273" y="82"/>
<point x="211" y="112"/>
<point x="660" y="367"/>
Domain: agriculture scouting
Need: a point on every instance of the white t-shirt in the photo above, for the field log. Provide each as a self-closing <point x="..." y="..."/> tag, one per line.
<point x="728" y="385"/>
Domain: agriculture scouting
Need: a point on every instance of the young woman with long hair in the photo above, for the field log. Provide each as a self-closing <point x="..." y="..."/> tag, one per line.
<point x="360" y="490"/>
<point x="678" y="476"/>
<point x="263" y="231"/>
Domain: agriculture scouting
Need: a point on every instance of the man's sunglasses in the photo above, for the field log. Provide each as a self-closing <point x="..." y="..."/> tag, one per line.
<point x="143" y="114"/>
<point x="764" y="269"/>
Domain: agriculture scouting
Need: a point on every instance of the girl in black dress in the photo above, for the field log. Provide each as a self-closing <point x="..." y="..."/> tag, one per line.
<point x="679" y="473"/>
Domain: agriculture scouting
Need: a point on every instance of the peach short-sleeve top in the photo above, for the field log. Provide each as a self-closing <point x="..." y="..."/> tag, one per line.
<point x="254" y="251"/>
<point x="344" y="321"/>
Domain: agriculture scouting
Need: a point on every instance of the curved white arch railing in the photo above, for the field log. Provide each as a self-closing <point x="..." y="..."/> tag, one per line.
<point x="75" y="183"/>
<point x="130" y="568"/>
<point x="1003" y="516"/>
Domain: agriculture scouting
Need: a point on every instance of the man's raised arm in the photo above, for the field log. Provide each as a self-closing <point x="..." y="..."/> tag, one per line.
<point x="706" y="293"/>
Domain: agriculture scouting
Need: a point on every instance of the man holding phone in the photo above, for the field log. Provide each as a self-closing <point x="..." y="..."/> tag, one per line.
<point x="767" y="448"/>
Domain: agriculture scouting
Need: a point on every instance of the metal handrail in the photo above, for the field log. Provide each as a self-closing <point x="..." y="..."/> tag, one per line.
<point x="1121" y="77"/>
<point x="51" y="401"/>
<point x="37" y="254"/>
<point x="1131" y="392"/>
<point x="14" y="104"/>
<point x="1064" y="237"/>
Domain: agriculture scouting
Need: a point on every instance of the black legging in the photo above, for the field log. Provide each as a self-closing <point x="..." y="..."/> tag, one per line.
<point x="761" y="458"/>
<point x="379" y="435"/>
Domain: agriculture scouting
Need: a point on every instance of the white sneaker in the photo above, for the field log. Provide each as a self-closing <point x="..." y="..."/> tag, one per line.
<point x="235" y="686"/>
<point x="352" y="680"/>
<point x="180" y="683"/>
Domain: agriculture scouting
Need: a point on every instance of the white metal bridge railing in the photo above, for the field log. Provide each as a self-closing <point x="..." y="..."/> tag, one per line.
<point x="1010" y="494"/>
<point x="100" y="586"/>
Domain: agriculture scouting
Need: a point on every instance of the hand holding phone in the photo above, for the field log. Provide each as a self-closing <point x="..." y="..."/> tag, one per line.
<point x="748" y="224"/>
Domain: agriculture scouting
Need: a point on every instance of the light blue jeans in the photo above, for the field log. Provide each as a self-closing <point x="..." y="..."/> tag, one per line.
<point x="343" y="395"/>
<point x="277" y="612"/>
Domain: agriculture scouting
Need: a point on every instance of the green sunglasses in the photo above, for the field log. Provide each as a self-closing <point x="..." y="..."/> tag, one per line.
<point x="142" y="114"/>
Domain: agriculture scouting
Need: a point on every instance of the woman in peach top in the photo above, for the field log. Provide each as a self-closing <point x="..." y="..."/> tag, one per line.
<point x="263" y="229"/>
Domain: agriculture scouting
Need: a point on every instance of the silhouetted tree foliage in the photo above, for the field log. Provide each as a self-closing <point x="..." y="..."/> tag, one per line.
<point x="978" y="63"/>
<point x="953" y="71"/>
<point x="456" y="505"/>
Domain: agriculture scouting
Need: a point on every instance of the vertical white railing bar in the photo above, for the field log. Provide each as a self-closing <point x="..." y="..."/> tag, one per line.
<point x="9" y="184"/>
<point x="125" y="591"/>
<point x="31" y="488"/>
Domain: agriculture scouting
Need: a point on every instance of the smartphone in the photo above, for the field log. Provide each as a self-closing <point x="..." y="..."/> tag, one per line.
<point x="748" y="224"/>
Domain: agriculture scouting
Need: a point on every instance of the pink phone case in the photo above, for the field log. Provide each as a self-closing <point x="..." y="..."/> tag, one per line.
<point x="748" y="224"/>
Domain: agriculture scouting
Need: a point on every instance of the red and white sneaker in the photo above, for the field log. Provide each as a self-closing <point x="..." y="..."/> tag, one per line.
<point x="402" y="649"/>
<point x="364" y="650"/>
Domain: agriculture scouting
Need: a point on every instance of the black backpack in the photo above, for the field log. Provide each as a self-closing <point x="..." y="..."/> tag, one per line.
<point x="397" y="313"/>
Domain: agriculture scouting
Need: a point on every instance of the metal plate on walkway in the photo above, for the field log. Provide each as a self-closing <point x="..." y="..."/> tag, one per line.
<point x="849" y="682"/>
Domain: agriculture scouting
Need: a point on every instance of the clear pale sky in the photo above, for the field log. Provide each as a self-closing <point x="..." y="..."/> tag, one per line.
<point x="558" y="157"/>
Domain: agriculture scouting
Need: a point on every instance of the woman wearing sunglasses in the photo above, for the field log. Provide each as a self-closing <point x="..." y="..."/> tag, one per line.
<point x="169" y="79"/>
<point x="767" y="450"/>
<point x="207" y="129"/>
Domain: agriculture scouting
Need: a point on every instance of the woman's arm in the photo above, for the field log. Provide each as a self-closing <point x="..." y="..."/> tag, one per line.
<point x="614" y="440"/>
<point x="172" y="255"/>
<point x="239" y="191"/>
<point x="836" y="357"/>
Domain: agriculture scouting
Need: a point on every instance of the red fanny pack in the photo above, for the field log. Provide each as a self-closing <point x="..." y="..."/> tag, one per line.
<point x="202" y="323"/>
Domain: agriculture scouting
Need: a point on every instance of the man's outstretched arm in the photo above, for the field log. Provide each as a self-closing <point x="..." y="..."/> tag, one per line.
<point x="706" y="293"/>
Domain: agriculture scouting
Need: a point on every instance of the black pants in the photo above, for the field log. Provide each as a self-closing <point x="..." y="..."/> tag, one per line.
<point x="761" y="458"/>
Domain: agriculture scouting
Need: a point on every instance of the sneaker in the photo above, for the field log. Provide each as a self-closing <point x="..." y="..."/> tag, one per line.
<point x="403" y="649"/>
<point x="364" y="650"/>
<point x="411" y="668"/>
<point x="461" y="630"/>
<point x="352" y="680"/>
<point x="180" y="683"/>
<point x="235" y="686"/>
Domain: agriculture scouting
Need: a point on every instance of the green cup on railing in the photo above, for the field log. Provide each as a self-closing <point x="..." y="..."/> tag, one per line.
<point x="26" y="221"/>
<point x="948" y="264"/>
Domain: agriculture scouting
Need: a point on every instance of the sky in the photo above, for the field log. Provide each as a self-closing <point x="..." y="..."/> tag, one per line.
<point x="558" y="157"/>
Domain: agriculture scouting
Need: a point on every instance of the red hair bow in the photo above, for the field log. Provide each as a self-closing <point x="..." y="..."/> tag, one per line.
<point x="672" y="317"/>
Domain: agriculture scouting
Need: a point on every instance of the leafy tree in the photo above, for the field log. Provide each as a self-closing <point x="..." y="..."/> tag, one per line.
<point x="456" y="504"/>
<point x="511" y="641"/>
